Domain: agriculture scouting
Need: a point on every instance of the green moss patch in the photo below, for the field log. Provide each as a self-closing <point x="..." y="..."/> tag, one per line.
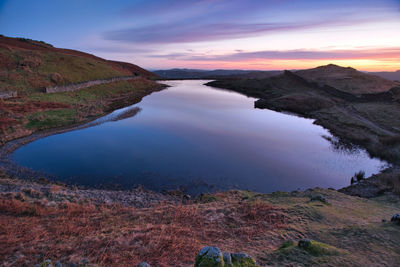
<point x="316" y="248"/>
<point x="51" y="119"/>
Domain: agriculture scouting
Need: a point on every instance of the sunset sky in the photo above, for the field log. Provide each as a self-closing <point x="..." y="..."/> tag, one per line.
<point x="211" y="34"/>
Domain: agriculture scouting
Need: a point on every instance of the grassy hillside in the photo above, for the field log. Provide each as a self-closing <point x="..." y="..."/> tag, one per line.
<point x="68" y="225"/>
<point x="28" y="66"/>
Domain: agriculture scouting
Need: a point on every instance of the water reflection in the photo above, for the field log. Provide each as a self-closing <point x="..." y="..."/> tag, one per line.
<point x="202" y="139"/>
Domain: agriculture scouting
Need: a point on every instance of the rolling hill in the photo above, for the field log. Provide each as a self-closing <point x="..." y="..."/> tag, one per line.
<point x="28" y="66"/>
<point x="346" y="79"/>
<point x="390" y="75"/>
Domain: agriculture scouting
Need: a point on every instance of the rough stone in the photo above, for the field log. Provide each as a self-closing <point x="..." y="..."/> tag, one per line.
<point x="395" y="218"/>
<point x="59" y="264"/>
<point x="209" y="257"/>
<point x="56" y="78"/>
<point x="319" y="198"/>
<point x="305" y="243"/>
<point x="8" y="94"/>
<point x="46" y="263"/>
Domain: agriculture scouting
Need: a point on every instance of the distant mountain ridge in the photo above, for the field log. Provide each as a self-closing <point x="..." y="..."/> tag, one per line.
<point x="213" y="74"/>
<point x="390" y="75"/>
<point x="343" y="78"/>
<point x="196" y="73"/>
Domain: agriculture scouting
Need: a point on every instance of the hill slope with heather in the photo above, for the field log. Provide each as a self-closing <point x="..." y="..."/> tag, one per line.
<point x="29" y="66"/>
<point x="123" y="228"/>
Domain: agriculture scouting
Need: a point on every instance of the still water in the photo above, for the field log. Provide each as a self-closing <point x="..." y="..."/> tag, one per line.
<point x="200" y="139"/>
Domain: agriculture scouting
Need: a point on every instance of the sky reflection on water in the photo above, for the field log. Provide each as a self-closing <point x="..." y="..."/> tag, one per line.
<point x="202" y="139"/>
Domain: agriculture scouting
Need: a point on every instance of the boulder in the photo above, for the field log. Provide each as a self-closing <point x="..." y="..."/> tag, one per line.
<point x="319" y="198"/>
<point x="396" y="218"/>
<point x="46" y="263"/>
<point x="209" y="257"/>
<point x="56" y="78"/>
<point x="305" y="243"/>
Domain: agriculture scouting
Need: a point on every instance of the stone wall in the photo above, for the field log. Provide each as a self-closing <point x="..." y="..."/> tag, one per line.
<point x="78" y="86"/>
<point x="8" y="94"/>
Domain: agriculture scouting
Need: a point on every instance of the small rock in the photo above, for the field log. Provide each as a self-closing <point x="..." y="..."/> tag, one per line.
<point x="227" y="259"/>
<point x="319" y="198"/>
<point x="56" y="78"/>
<point x="383" y="220"/>
<point x="395" y="218"/>
<point x="59" y="264"/>
<point x="186" y="198"/>
<point x="210" y="257"/>
<point x="46" y="263"/>
<point x="305" y="243"/>
<point x="143" y="264"/>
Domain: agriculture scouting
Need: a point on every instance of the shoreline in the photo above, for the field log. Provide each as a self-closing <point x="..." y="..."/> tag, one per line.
<point x="12" y="168"/>
<point x="321" y="120"/>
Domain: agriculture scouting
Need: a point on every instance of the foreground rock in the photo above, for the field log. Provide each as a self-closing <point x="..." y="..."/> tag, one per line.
<point x="213" y="257"/>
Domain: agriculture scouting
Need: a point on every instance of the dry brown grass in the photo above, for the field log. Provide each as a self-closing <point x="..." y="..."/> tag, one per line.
<point x="392" y="180"/>
<point x="166" y="235"/>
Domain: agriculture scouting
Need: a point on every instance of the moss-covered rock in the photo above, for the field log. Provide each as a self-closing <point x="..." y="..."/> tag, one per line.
<point x="209" y="257"/>
<point x="316" y="248"/>
<point x="46" y="263"/>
